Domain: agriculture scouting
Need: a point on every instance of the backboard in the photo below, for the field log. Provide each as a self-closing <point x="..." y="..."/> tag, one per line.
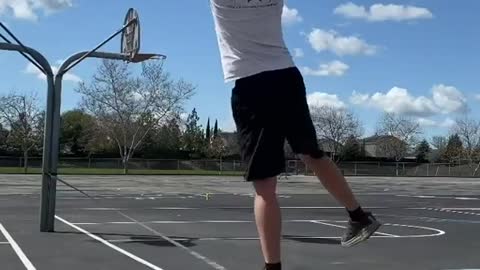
<point x="131" y="35"/>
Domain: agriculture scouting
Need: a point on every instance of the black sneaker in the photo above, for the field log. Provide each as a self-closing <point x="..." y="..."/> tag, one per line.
<point x="360" y="231"/>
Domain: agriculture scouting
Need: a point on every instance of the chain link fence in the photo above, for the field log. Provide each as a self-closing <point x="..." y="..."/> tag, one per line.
<point x="293" y="167"/>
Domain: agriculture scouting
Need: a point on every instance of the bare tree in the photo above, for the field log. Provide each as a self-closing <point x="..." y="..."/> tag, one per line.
<point x="469" y="131"/>
<point x="335" y="126"/>
<point x="439" y="142"/>
<point x="402" y="135"/>
<point x="440" y="145"/>
<point x="128" y="107"/>
<point x="23" y="117"/>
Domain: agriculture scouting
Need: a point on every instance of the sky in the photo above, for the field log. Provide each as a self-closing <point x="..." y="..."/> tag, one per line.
<point x="416" y="58"/>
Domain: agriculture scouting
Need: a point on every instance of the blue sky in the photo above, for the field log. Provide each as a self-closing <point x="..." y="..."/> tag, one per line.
<point x="418" y="58"/>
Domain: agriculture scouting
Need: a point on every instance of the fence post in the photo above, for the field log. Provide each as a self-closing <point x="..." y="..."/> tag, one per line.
<point x="234" y="167"/>
<point x="355" y="168"/>
<point x="178" y="164"/>
<point x="89" y="162"/>
<point x="428" y="169"/>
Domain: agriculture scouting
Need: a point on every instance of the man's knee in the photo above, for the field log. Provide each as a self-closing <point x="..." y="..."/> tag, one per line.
<point x="266" y="188"/>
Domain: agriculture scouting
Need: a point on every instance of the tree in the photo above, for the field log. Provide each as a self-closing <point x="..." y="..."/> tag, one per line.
<point x="217" y="149"/>
<point x="208" y="135"/>
<point x="77" y="130"/>
<point x="422" y="151"/>
<point x="454" y="148"/>
<point x="215" y="129"/>
<point x="128" y="107"/>
<point x="469" y="132"/>
<point x="22" y="116"/>
<point x="352" y="150"/>
<point x="335" y="125"/>
<point x="3" y="139"/>
<point x="439" y="144"/>
<point x="400" y="134"/>
<point x="193" y="138"/>
<point x="403" y="132"/>
<point x="164" y="142"/>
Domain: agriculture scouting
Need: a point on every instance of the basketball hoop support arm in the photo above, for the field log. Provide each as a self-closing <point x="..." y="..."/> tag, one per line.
<point x="89" y="54"/>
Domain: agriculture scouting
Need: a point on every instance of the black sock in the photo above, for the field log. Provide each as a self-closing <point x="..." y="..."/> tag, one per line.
<point x="273" y="266"/>
<point x="357" y="214"/>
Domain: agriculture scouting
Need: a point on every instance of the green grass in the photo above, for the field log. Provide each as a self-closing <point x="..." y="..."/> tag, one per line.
<point x="87" y="171"/>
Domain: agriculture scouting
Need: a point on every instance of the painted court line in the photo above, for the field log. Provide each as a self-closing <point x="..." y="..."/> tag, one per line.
<point x="190" y="251"/>
<point x="437" y="232"/>
<point x="184" y="222"/>
<point x="246" y="238"/>
<point x="450" y="210"/>
<point x="122" y="251"/>
<point x="213" y="208"/>
<point x="4" y="243"/>
<point x="343" y="227"/>
<point x="28" y="264"/>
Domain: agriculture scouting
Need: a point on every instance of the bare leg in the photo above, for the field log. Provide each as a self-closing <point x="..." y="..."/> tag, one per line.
<point x="332" y="179"/>
<point x="268" y="219"/>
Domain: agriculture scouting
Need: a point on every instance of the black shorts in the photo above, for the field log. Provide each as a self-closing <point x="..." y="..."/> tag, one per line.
<point x="269" y="109"/>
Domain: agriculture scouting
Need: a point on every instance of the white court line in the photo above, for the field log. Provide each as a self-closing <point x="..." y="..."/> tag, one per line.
<point x="184" y="222"/>
<point x="449" y="210"/>
<point x="232" y="239"/>
<point x="343" y="227"/>
<point x="4" y="243"/>
<point x="28" y="264"/>
<point x="124" y="252"/>
<point x="462" y="209"/>
<point x="190" y="251"/>
<point x="166" y="222"/>
<point x="437" y="231"/>
<point x="213" y="208"/>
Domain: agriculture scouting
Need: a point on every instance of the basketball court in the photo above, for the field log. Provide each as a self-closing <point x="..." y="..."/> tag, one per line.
<point x="207" y="223"/>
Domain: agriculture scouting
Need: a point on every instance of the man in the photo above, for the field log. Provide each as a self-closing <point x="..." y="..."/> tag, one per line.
<point x="269" y="106"/>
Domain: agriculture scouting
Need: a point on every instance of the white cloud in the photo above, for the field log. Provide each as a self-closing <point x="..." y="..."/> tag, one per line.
<point x="31" y="69"/>
<point x="290" y="16"/>
<point x="397" y="100"/>
<point x="444" y="100"/>
<point x="449" y="99"/>
<point x="429" y="123"/>
<point x="322" y="40"/>
<point x="425" y="122"/>
<point x="447" y="123"/>
<point x="298" y="53"/>
<point x="381" y="12"/>
<point x="319" y="99"/>
<point x="334" y="68"/>
<point x="28" y="9"/>
<point x="477" y="97"/>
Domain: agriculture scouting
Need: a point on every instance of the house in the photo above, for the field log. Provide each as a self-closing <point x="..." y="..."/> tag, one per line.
<point x="230" y="142"/>
<point x="384" y="146"/>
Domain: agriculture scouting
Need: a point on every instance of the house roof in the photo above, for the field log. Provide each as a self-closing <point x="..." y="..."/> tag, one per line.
<point x="378" y="138"/>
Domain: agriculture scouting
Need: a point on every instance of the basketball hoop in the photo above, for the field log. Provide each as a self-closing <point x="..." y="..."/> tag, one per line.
<point x="131" y="37"/>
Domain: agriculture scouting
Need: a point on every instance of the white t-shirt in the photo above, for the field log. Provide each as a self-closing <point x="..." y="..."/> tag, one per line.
<point x="250" y="36"/>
